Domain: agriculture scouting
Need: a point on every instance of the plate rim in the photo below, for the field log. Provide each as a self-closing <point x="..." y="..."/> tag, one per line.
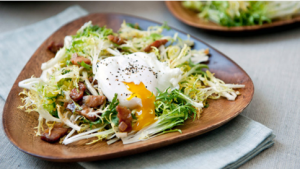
<point x="140" y="149"/>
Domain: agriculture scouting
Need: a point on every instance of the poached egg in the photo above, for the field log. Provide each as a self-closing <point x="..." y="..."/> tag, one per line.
<point x="135" y="78"/>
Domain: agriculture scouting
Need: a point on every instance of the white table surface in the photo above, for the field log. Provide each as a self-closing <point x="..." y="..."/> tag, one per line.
<point x="272" y="61"/>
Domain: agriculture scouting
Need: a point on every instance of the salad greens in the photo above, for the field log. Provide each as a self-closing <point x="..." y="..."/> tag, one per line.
<point x="48" y="94"/>
<point x="243" y="13"/>
<point x="171" y="109"/>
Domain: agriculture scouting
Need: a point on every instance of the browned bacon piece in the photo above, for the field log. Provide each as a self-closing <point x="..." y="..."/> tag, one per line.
<point x="92" y="80"/>
<point x="85" y="110"/>
<point x="54" y="47"/>
<point x="122" y="126"/>
<point x="70" y="106"/>
<point x="93" y="101"/>
<point x="77" y="94"/>
<point x="57" y="132"/>
<point x="116" y="39"/>
<point x="156" y="44"/>
<point x="125" y="119"/>
<point x="75" y="59"/>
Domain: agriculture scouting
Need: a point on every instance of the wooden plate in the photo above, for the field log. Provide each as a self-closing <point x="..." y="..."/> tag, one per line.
<point x="19" y="126"/>
<point x="190" y="17"/>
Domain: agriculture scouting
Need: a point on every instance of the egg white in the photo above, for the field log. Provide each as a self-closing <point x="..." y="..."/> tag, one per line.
<point x="137" y="67"/>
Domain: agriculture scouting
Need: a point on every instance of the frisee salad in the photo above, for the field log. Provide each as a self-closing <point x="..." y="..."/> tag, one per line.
<point x="243" y="13"/>
<point x="131" y="86"/>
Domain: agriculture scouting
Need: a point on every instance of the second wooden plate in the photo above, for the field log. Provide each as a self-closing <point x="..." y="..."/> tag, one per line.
<point x="190" y="17"/>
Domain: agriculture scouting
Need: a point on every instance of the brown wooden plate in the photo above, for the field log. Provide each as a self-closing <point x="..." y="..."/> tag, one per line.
<point x="19" y="126"/>
<point x="190" y="17"/>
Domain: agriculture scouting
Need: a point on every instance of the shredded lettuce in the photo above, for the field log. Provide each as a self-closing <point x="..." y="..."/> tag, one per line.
<point x="137" y="39"/>
<point x="33" y="102"/>
<point x="98" y="132"/>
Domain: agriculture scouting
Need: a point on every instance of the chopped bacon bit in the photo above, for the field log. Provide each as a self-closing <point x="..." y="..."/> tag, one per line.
<point x="77" y="94"/>
<point x="156" y="44"/>
<point x="93" y="101"/>
<point x="125" y="119"/>
<point x="85" y="110"/>
<point x="116" y="39"/>
<point x="122" y="126"/>
<point x="57" y="132"/>
<point x="75" y="59"/>
<point x="70" y="106"/>
<point x="53" y="47"/>
<point x="92" y="80"/>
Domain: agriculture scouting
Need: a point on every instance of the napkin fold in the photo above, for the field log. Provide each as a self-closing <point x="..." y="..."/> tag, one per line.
<point x="226" y="147"/>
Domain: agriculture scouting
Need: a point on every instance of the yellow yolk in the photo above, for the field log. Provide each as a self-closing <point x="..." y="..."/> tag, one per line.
<point x="147" y="115"/>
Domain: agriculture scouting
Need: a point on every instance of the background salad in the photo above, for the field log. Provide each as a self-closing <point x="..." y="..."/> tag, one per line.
<point x="243" y="13"/>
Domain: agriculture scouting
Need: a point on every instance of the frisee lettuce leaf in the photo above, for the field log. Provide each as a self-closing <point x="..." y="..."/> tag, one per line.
<point x="171" y="110"/>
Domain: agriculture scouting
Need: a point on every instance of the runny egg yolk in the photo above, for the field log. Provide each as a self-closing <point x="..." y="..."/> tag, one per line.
<point x="147" y="115"/>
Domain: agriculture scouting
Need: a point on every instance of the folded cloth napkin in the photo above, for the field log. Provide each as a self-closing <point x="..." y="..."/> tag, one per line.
<point x="227" y="147"/>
